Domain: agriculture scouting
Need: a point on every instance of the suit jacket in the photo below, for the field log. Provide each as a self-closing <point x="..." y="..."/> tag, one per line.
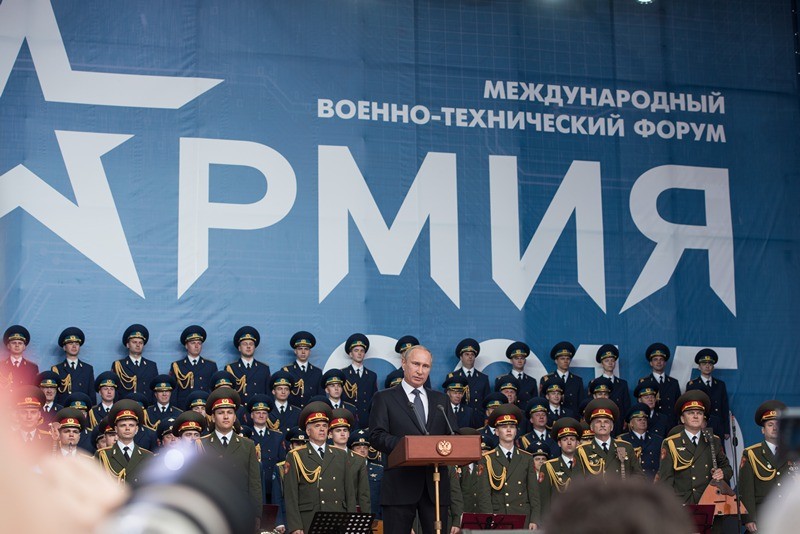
<point x="686" y="468"/>
<point x="392" y="417"/>
<point x="531" y="441"/>
<point x="563" y="411"/>
<point x="272" y="451"/>
<point x="286" y="420"/>
<point x="50" y="416"/>
<point x="115" y="464"/>
<point x="359" y="391"/>
<point x="191" y="377"/>
<point x="557" y="477"/>
<point x="658" y="423"/>
<point x="155" y="416"/>
<point x="474" y="500"/>
<point x="241" y="455"/>
<point x="761" y="475"/>
<point x="306" y="385"/>
<point x="593" y="462"/>
<point x="249" y="382"/>
<point x="313" y="484"/>
<point x="648" y="450"/>
<point x="95" y="415"/>
<point x="133" y="379"/>
<point x="512" y="485"/>
<point x="477" y="388"/>
<point x="465" y="416"/>
<point x="574" y="392"/>
<point x="719" y="417"/>
<point x="78" y="380"/>
<point x="24" y="374"/>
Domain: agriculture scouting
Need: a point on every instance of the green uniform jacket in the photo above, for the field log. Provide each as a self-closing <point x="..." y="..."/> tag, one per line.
<point x="359" y="480"/>
<point x="469" y="482"/>
<point x="687" y="469"/>
<point x="116" y="465"/>
<point x="241" y="453"/>
<point x="511" y="487"/>
<point x="594" y="462"/>
<point x="759" y="476"/>
<point x="313" y="484"/>
<point x="456" y="499"/>
<point x="557" y="478"/>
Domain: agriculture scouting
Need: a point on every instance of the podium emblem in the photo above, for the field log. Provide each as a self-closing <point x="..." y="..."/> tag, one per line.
<point x="444" y="448"/>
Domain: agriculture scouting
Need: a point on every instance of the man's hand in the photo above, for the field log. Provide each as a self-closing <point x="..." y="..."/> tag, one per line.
<point x="716" y="474"/>
<point x="280" y="529"/>
<point x="532" y="526"/>
<point x="454" y="530"/>
<point x="751" y="526"/>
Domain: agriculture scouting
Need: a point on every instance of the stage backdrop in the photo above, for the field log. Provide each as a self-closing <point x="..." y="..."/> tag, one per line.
<point x="592" y="171"/>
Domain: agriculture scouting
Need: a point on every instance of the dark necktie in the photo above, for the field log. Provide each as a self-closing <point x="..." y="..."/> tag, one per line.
<point x="336" y="406"/>
<point x="163" y="409"/>
<point x="126" y="453"/>
<point x="455" y="410"/>
<point x="661" y="379"/>
<point x="16" y="364"/>
<point x="358" y="372"/>
<point x="261" y="433"/>
<point x="519" y="376"/>
<point x="569" y="465"/>
<point x="469" y="374"/>
<point x="302" y="368"/>
<point x="72" y="364"/>
<point x="224" y="441"/>
<point x="508" y="455"/>
<point x="247" y="366"/>
<point x="694" y="441"/>
<point x="283" y="409"/>
<point x="605" y="447"/>
<point x="136" y="363"/>
<point x="708" y="383"/>
<point x="419" y="408"/>
<point x="321" y="452"/>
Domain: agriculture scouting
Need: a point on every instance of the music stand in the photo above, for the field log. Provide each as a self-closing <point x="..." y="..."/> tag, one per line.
<point x="702" y="516"/>
<point x="341" y="523"/>
<point x="493" y="522"/>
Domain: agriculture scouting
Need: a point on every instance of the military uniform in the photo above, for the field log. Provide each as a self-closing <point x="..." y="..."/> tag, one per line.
<point x="134" y="378"/>
<point x="761" y="474"/>
<point x="252" y="378"/>
<point x="113" y="458"/>
<point x="574" y="392"/>
<point x="282" y="418"/>
<point x="647" y="450"/>
<point x="477" y="383"/>
<point x="717" y="391"/>
<point x="192" y="377"/>
<point x="156" y="413"/>
<point x="527" y="384"/>
<point x="511" y="485"/>
<point x="269" y="443"/>
<point x="617" y="458"/>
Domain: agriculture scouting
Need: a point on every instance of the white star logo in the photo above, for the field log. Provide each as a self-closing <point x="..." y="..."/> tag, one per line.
<point x="92" y="224"/>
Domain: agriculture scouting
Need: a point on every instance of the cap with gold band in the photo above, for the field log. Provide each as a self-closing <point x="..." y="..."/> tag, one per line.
<point x="71" y="418"/>
<point x="193" y="332"/>
<point x="405" y="343"/>
<point x="768" y="411"/>
<point x="505" y="414"/>
<point x="692" y="400"/>
<point x="657" y="349"/>
<point x="302" y="339"/>
<point x="564" y="348"/>
<point x="315" y="412"/>
<point x="246" y="333"/>
<point x="341" y="417"/>
<point x="706" y="356"/>
<point x="564" y="427"/>
<point x="467" y="345"/>
<point x="16" y="333"/>
<point x="637" y="410"/>
<point x="601" y="408"/>
<point x="135" y="331"/>
<point x="73" y="334"/>
<point x="189" y="420"/>
<point x="29" y="397"/>
<point x="125" y="409"/>
<point x="518" y="348"/>
<point x="222" y="397"/>
<point x="356" y="340"/>
<point x="48" y="379"/>
<point x="606" y="351"/>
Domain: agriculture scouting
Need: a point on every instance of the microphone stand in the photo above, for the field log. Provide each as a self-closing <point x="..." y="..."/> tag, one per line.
<point x="734" y="443"/>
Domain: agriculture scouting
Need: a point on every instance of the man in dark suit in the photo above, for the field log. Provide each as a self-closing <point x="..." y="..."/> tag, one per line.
<point x="360" y="383"/>
<point x="518" y="353"/>
<point x="192" y="372"/>
<point x="410" y="409"/>
<point x="252" y="376"/>
<point x="135" y="371"/>
<point x="646" y="444"/>
<point x="478" y="387"/>
<point x="125" y="459"/>
<point x="305" y="377"/>
<point x="75" y="375"/>
<point x="16" y="369"/>
<point x="669" y="389"/>
<point x="719" y="413"/>
<point x="236" y="451"/>
<point x="574" y="393"/>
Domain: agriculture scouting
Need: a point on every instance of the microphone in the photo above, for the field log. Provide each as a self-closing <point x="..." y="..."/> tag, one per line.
<point x="734" y="439"/>
<point x="446" y="420"/>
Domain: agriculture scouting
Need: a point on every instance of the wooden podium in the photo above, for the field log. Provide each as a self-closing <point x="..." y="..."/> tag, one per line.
<point x="435" y="451"/>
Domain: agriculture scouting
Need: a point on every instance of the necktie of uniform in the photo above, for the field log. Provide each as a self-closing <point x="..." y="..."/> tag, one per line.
<point x="302" y="368"/>
<point x="358" y="372"/>
<point x="469" y="374"/>
<point x="661" y="379"/>
<point x="605" y="447"/>
<point x="321" y="452"/>
<point x="519" y="376"/>
<point x="694" y="441"/>
<point x="283" y="409"/>
<point x="194" y="362"/>
<point x="224" y="441"/>
<point x="261" y="433"/>
<point x="16" y="364"/>
<point x="126" y="452"/>
<point x="136" y="363"/>
<point x="508" y="455"/>
<point x="72" y="364"/>
<point x="708" y="383"/>
<point x="247" y="366"/>
<point x="163" y="409"/>
<point x="336" y="406"/>
<point x="569" y="465"/>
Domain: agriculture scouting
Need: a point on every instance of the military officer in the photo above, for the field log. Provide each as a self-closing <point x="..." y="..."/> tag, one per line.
<point x="135" y="371"/>
<point x="162" y="387"/>
<point x="189" y="426"/>
<point x="574" y="393"/>
<point x="508" y="477"/>
<point x="607" y="356"/>
<point x="762" y="472"/>
<point x="508" y="386"/>
<point x="316" y="477"/>
<point x="268" y="440"/>
<point x="106" y="384"/>
<point x="518" y="353"/>
<point x="296" y="439"/>
<point x="558" y="471"/>
<point x="28" y="401"/>
<point x="587" y="434"/>
<point x="604" y="456"/>
<point x="193" y="371"/>
<point x="473" y="500"/>
<point x="285" y="414"/>
<point x="646" y="392"/>
<point x="125" y="459"/>
<point x="538" y="437"/>
<point x="719" y="413"/>
<point x="333" y="382"/>
<point x="686" y="459"/>
<point x="359" y="444"/>
<point x="48" y="383"/>
<point x="454" y="388"/>
<point x="252" y="376"/>
<point x="646" y="444"/>
<point x="81" y="401"/>
<point x="554" y="393"/>
<point x="492" y="401"/>
<point x="16" y="369"/>
<point x="360" y="383"/>
<point x="339" y="428"/>
<point x="599" y="388"/>
<point x="237" y="451"/>
<point x="305" y="377"/>
<point x="669" y="389"/>
<point x="74" y="374"/>
<point x="145" y="437"/>
<point x="478" y="388"/>
<point x="67" y="428"/>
